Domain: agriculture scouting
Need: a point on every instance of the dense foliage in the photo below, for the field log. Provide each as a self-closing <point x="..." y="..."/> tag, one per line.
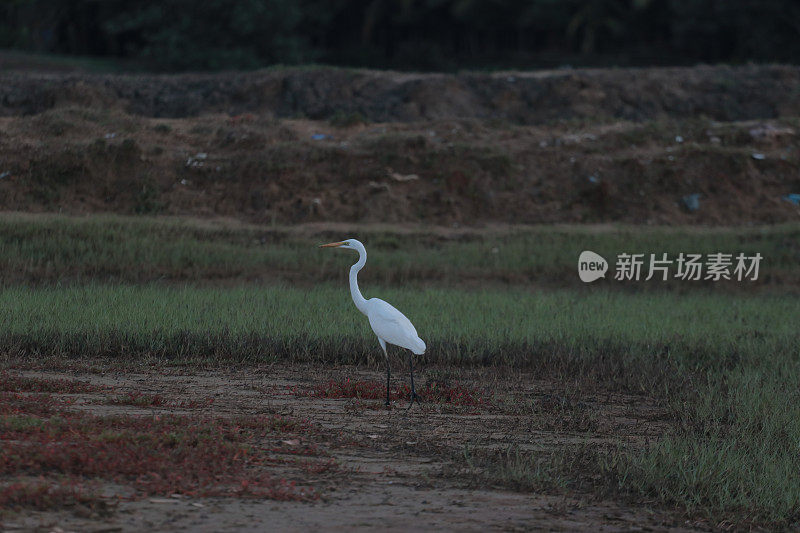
<point x="420" y="34"/>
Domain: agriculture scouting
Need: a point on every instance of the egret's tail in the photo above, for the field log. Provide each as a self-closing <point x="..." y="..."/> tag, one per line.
<point x="419" y="346"/>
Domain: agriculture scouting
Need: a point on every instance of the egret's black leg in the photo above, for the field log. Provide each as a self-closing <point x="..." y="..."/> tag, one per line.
<point x="387" y="382"/>
<point x="413" y="390"/>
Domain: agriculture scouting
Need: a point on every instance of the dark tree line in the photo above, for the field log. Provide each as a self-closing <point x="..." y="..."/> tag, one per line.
<point x="417" y="34"/>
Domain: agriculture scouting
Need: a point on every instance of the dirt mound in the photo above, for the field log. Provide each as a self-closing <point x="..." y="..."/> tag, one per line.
<point x="720" y="93"/>
<point x="93" y="144"/>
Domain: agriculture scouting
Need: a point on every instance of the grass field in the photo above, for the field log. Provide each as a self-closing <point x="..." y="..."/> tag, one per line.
<point x="41" y="249"/>
<point x="720" y="360"/>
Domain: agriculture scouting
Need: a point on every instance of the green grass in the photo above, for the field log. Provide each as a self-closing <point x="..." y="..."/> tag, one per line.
<point x="502" y="326"/>
<point x="529" y="471"/>
<point x="51" y="248"/>
<point x="748" y="476"/>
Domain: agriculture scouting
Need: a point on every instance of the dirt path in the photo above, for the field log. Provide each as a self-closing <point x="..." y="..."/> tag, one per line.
<point x="398" y="469"/>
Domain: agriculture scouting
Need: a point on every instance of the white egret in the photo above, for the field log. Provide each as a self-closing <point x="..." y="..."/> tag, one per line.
<point x="390" y="325"/>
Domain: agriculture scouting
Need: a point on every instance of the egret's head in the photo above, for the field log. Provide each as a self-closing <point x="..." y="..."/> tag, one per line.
<point x="349" y="244"/>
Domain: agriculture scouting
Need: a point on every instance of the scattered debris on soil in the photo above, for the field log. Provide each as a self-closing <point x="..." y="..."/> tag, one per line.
<point x="455" y="172"/>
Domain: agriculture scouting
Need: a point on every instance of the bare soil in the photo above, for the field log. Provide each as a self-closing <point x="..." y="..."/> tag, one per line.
<point x="327" y="145"/>
<point x="400" y="469"/>
<point x="82" y="160"/>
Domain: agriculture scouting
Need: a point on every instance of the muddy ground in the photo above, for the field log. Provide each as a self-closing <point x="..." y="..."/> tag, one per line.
<point x="398" y="469"/>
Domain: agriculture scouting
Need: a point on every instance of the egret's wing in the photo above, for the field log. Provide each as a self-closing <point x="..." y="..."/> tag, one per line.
<point x="392" y="326"/>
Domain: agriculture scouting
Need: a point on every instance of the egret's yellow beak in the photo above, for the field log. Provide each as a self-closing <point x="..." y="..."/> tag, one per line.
<point x="331" y="245"/>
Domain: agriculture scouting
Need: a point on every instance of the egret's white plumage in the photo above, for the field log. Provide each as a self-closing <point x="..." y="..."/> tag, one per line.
<point x="390" y="325"/>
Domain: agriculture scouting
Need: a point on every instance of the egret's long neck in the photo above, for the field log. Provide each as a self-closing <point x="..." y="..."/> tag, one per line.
<point x="358" y="299"/>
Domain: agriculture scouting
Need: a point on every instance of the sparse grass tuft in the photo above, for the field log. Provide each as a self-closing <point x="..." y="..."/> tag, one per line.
<point x="342" y="119"/>
<point x="44" y="496"/>
<point x="29" y="384"/>
<point x="139" y="399"/>
<point x="548" y="471"/>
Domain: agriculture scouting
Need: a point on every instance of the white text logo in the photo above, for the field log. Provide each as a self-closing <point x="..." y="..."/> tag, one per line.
<point x="591" y="266"/>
